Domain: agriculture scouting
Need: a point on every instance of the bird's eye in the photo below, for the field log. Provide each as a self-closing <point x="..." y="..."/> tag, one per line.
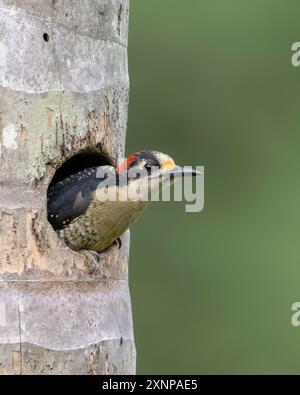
<point x="148" y="167"/>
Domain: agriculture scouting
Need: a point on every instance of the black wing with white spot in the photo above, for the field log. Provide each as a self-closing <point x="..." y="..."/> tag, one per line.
<point x="70" y="198"/>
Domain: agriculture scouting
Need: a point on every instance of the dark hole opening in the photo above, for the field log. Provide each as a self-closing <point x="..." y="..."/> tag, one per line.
<point x="79" y="162"/>
<point x="46" y="37"/>
<point x="61" y="210"/>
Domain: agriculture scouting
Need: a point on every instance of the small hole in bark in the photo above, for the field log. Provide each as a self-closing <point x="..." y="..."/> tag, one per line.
<point x="46" y="37"/>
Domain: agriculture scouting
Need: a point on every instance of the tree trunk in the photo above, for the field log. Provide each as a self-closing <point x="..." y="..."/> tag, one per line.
<point x="63" y="90"/>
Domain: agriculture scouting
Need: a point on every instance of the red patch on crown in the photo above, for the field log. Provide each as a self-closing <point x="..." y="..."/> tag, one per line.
<point x="126" y="164"/>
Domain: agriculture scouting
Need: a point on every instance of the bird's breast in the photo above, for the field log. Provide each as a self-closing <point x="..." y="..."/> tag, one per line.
<point x="102" y="224"/>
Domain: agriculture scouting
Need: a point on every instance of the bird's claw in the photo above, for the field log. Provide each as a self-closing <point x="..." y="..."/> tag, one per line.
<point x="92" y="258"/>
<point x="116" y="243"/>
<point x="119" y="242"/>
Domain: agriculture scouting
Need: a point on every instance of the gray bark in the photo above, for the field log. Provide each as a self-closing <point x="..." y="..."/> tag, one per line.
<point x="63" y="89"/>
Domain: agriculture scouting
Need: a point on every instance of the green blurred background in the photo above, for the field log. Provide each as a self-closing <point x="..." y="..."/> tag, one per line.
<point x="212" y="84"/>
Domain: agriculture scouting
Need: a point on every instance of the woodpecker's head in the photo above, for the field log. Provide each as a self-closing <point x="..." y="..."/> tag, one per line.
<point x="152" y="166"/>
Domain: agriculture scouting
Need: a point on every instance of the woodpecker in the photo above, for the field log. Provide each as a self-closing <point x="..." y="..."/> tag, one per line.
<point x="87" y="221"/>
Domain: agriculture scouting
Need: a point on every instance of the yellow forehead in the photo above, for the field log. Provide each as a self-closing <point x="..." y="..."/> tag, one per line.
<point x="167" y="164"/>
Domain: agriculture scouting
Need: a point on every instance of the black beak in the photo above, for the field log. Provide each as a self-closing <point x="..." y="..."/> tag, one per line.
<point x="182" y="171"/>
